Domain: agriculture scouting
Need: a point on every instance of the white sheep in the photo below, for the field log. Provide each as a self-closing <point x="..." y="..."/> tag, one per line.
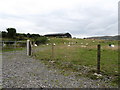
<point x="64" y="42"/>
<point x="54" y="44"/>
<point x="35" y="45"/>
<point x="86" y="44"/>
<point x="68" y="45"/>
<point x="4" y="45"/>
<point x="112" y="45"/>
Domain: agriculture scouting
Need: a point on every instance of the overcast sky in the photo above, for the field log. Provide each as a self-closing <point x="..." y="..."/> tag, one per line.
<point x="81" y="18"/>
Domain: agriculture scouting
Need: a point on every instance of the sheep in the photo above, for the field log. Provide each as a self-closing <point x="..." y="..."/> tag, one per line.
<point x="35" y="45"/>
<point x="111" y="45"/>
<point x="54" y="44"/>
<point x="4" y="45"/>
<point x="86" y="44"/>
<point x="64" y="42"/>
<point x="68" y="45"/>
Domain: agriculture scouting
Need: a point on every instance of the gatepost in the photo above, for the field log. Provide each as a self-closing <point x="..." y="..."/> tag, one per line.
<point x="28" y="48"/>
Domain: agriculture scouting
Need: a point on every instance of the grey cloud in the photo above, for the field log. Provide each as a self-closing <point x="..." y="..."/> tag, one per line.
<point x="79" y="20"/>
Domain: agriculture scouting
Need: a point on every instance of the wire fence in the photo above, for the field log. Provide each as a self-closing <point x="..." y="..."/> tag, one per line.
<point x="97" y="55"/>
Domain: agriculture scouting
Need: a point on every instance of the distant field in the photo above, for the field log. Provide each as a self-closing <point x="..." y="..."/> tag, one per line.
<point x="82" y="52"/>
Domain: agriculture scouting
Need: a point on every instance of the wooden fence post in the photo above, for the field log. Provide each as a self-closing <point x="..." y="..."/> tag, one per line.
<point x="28" y="48"/>
<point x="52" y="51"/>
<point x="98" y="58"/>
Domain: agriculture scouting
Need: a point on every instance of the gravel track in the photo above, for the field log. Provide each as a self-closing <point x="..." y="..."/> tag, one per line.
<point x="22" y="71"/>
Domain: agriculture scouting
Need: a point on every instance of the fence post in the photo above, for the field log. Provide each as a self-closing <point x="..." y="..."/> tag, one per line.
<point x="28" y="48"/>
<point x="98" y="58"/>
<point x="52" y="51"/>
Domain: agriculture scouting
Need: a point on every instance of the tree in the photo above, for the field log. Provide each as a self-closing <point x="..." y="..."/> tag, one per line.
<point x="28" y="35"/>
<point x="4" y="34"/>
<point x="41" y="40"/>
<point x="11" y="33"/>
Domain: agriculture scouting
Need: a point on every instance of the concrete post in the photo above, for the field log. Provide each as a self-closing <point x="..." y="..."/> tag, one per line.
<point x="28" y="48"/>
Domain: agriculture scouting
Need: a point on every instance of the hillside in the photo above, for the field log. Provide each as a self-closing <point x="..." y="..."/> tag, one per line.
<point x="117" y="37"/>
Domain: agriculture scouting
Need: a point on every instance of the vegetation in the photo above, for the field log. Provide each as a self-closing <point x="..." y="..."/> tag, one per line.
<point x="12" y="35"/>
<point x="81" y="55"/>
<point x="13" y="46"/>
<point x="41" y="40"/>
<point x="7" y="49"/>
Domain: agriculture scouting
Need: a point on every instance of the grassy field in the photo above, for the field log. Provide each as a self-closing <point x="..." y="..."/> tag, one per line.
<point x="82" y="53"/>
<point x="12" y="49"/>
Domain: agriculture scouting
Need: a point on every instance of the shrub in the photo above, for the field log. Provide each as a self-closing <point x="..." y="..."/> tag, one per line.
<point x="41" y="40"/>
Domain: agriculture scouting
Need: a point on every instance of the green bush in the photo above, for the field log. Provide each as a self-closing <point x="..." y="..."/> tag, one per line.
<point x="41" y="40"/>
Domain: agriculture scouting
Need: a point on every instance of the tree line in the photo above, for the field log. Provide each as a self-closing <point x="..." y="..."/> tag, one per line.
<point x="12" y="34"/>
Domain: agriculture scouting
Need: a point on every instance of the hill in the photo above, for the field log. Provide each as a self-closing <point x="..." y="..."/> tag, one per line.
<point x="117" y="37"/>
